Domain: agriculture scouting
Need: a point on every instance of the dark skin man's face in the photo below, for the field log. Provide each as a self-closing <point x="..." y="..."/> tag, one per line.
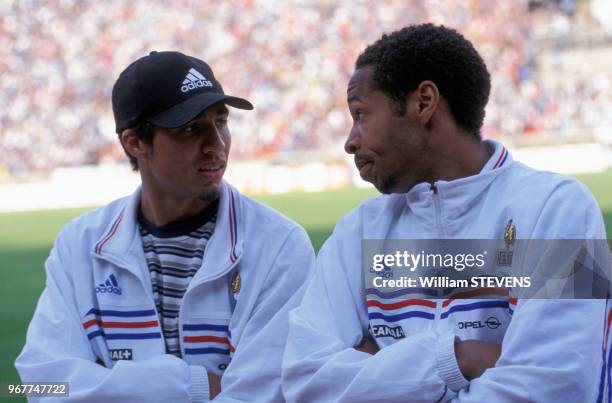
<point x="390" y="150"/>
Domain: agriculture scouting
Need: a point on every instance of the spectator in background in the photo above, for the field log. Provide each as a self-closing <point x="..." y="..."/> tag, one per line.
<point x="54" y="83"/>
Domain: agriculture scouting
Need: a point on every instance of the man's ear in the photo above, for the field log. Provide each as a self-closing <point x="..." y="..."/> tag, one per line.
<point x="132" y="144"/>
<point x="425" y="100"/>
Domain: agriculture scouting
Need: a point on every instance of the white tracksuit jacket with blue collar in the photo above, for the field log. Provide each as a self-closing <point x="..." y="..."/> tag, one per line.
<point x="551" y="349"/>
<point x="98" y="307"/>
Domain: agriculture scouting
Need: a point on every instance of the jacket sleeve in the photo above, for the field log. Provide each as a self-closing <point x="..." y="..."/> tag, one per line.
<point x="255" y="371"/>
<point x="57" y="350"/>
<point x="320" y="363"/>
<point x="552" y="349"/>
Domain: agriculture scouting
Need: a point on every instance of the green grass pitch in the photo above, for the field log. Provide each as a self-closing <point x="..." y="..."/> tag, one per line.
<point x="26" y="238"/>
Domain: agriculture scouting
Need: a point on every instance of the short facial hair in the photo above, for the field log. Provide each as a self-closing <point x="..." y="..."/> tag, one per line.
<point x="211" y="194"/>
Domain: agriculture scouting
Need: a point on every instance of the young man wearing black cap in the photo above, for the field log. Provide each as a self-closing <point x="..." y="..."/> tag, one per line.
<point x="158" y="296"/>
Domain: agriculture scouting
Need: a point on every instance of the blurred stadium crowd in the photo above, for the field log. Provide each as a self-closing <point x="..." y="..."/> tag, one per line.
<point x="292" y="59"/>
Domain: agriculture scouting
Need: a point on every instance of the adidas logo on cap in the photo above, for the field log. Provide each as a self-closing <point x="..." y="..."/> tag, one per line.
<point x="194" y="79"/>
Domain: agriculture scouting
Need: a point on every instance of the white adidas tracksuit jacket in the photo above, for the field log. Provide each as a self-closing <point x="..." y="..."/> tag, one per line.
<point x="551" y="349"/>
<point x="98" y="307"/>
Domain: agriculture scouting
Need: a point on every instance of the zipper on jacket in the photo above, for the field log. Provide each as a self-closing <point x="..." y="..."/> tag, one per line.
<point x="440" y="233"/>
<point x="438" y="314"/>
<point x="159" y="319"/>
<point x="149" y="291"/>
<point x="437" y="210"/>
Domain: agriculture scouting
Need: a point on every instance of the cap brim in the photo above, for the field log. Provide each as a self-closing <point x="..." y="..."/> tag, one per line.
<point x="184" y="112"/>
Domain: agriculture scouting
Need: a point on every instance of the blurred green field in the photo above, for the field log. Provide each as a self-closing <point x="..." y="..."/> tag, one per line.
<point x="26" y="238"/>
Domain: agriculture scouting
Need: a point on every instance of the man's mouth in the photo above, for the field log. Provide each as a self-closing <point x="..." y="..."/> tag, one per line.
<point x="364" y="166"/>
<point x="212" y="171"/>
<point x="210" y="168"/>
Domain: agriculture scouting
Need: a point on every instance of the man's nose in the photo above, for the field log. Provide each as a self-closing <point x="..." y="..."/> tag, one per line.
<point x="353" y="142"/>
<point x="214" y="142"/>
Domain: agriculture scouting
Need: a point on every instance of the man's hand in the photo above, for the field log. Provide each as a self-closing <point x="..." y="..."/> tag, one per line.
<point x="214" y="385"/>
<point x="367" y="345"/>
<point x="475" y="356"/>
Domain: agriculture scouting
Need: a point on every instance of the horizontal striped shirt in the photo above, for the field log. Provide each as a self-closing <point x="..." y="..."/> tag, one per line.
<point x="174" y="254"/>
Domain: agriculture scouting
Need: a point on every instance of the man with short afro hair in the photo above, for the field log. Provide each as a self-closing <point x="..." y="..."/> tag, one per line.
<point x="405" y="58"/>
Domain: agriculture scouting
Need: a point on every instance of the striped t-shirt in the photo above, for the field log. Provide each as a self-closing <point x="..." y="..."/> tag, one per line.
<point x="174" y="254"/>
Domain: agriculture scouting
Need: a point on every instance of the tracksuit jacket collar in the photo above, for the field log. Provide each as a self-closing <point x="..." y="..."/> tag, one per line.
<point x="224" y="248"/>
<point x="460" y="194"/>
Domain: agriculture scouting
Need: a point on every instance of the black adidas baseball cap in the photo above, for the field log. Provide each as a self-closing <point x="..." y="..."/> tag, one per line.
<point x="167" y="89"/>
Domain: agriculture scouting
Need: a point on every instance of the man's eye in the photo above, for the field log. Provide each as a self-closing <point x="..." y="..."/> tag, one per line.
<point x="190" y="128"/>
<point x="221" y="122"/>
<point x="358" y="115"/>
